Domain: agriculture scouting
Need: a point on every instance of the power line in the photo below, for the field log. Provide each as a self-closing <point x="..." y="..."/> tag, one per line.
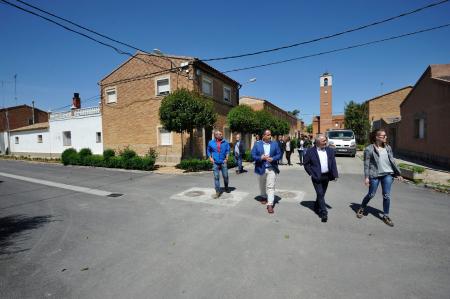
<point x="119" y="51"/>
<point x="331" y="35"/>
<point x="90" y="99"/>
<point x="336" y="50"/>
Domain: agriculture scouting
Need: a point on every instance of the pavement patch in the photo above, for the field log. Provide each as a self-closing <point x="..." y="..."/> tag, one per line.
<point x="57" y="185"/>
<point x="205" y="195"/>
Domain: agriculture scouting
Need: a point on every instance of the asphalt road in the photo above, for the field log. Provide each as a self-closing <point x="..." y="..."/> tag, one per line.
<point x="156" y="242"/>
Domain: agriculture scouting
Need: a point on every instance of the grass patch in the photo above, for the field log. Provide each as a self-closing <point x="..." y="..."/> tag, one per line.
<point x="415" y="168"/>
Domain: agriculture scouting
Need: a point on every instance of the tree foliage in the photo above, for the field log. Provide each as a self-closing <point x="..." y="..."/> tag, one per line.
<point x="357" y="119"/>
<point x="241" y="119"/>
<point x="309" y="128"/>
<point x="294" y="112"/>
<point x="184" y="110"/>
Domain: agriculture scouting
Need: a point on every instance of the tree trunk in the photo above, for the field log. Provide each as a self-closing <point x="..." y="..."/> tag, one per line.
<point x="191" y="142"/>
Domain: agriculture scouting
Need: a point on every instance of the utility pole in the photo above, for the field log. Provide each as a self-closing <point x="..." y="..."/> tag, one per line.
<point x="15" y="89"/>
<point x="32" y="109"/>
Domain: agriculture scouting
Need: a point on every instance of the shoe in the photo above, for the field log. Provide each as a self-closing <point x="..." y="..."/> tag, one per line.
<point x="388" y="221"/>
<point x="227" y="190"/>
<point x="238" y="172"/>
<point x="324" y="218"/>
<point x="217" y="195"/>
<point x="360" y="213"/>
<point x="270" y="209"/>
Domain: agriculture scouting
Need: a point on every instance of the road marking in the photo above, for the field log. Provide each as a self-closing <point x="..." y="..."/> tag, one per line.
<point x="205" y="195"/>
<point x="57" y="185"/>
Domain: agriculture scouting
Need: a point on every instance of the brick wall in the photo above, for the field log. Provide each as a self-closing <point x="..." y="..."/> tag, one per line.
<point x="388" y="105"/>
<point x="20" y="116"/>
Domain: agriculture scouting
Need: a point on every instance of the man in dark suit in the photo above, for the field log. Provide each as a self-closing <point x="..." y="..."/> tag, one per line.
<point x="320" y="164"/>
<point x="266" y="154"/>
<point x="239" y="151"/>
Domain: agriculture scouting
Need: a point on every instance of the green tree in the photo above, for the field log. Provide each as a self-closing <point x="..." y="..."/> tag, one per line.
<point x="241" y="119"/>
<point x="357" y="119"/>
<point x="309" y="128"/>
<point x="281" y="127"/>
<point x="294" y="112"/>
<point x="266" y="121"/>
<point x="183" y="111"/>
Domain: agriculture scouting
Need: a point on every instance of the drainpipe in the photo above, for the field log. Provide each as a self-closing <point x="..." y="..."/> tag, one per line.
<point x="32" y="109"/>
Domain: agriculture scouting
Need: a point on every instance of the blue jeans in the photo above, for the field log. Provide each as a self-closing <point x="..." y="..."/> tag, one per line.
<point x="301" y="154"/>
<point x="217" y="168"/>
<point x="386" y="183"/>
<point x="239" y="162"/>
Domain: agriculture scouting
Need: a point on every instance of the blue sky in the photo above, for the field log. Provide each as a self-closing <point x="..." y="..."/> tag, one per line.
<point x="52" y="63"/>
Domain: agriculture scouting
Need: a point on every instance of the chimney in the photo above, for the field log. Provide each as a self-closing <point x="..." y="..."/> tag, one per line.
<point x="76" y="101"/>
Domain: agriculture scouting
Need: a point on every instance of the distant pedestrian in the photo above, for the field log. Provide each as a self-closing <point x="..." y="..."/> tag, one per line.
<point x="257" y="138"/>
<point x="266" y="154"/>
<point x="239" y="151"/>
<point x="301" y="150"/>
<point x="289" y="148"/>
<point x="379" y="167"/>
<point x="218" y="150"/>
<point x="281" y="146"/>
<point x="320" y="164"/>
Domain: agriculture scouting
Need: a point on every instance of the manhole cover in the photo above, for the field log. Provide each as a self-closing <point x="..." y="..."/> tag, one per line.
<point x="115" y="195"/>
<point x="194" y="193"/>
<point x="287" y="194"/>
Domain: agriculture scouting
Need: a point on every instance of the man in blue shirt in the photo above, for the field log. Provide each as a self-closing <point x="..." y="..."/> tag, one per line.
<point x="217" y="151"/>
<point x="266" y="154"/>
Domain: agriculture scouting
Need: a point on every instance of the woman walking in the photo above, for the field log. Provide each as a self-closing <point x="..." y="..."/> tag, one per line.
<point x="379" y="167"/>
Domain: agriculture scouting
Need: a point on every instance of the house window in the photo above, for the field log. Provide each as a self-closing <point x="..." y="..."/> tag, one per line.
<point x="111" y="95"/>
<point x="39" y="138"/>
<point x="207" y="86"/>
<point x="98" y="137"/>
<point x="16" y="139"/>
<point x="227" y="94"/>
<point x="30" y="121"/>
<point x="165" y="137"/>
<point x="419" y="128"/>
<point x="162" y="86"/>
<point x="67" y="138"/>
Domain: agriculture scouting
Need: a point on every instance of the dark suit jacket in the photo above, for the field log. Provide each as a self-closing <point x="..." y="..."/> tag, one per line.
<point x="312" y="164"/>
<point x="258" y="151"/>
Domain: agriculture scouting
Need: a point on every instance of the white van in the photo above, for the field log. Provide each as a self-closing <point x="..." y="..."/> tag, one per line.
<point x="343" y="141"/>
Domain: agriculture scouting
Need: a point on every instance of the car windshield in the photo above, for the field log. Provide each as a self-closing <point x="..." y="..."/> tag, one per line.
<point x="340" y="134"/>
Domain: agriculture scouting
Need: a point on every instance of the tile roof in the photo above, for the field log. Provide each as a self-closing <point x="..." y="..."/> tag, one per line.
<point x="38" y="126"/>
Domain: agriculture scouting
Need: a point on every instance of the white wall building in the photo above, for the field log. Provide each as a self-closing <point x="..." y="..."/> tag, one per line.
<point x="78" y="128"/>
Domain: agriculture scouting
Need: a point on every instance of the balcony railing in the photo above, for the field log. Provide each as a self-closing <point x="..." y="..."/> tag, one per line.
<point x="76" y="113"/>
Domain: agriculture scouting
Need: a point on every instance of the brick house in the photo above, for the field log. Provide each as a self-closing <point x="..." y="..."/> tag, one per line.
<point x="131" y="96"/>
<point x="386" y="106"/>
<point x="16" y="117"/>
<point x="261" y="104"/>
<point x="425" y="118"/>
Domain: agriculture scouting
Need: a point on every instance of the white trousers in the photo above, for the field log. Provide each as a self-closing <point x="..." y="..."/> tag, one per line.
<point x="267" y="185"/>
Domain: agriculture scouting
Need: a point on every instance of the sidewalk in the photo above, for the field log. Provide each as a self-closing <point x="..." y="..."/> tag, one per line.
<point x="431" y="177"/>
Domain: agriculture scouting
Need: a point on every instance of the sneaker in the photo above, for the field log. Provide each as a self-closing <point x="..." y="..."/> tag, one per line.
<point x="360" y="213"/>
<point x="227" y="190"/>
<point x="270" y="209"/>
<point x="388" y="220"/>
<point x="217" y="195"/>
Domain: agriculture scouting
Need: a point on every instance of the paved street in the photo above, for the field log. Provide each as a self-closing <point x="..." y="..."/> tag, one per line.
<point x="165" y="237"/>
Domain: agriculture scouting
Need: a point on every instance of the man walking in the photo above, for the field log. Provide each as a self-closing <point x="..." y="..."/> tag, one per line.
<point x="239" y="151"/>
<point x="320" y="164"/>
<point x="281" y="146"/>
<point x="301" y="150"/>
<point x="218" y="150"/>
<point x="266" y="154"/>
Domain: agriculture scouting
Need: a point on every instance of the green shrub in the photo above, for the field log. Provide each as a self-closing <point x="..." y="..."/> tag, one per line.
<point x="148" y="163"/>
<point x="248" y="156"/>
<point x="94" y="160"/>
<point x="360" y="147"/>
<point x="70" y="157"/>
<point x="195" y="165"/>
<point x="231" y="161"/>
<point x="108" y="153"/>
<point x="84" y="152"/>
<point x="114" y="162"/>
<point x="415" y="168"/>
<point x="127" y="153"/>
<point x="152" y="154"/>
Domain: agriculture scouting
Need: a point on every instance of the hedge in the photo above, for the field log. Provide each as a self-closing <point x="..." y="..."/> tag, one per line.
<point x="194" y="164"/>
<point x="415" y="168"/>
<point x="127" y="159"/>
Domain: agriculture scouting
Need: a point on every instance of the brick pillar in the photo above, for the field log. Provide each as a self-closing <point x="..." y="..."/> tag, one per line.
<point x="326" y="105"/>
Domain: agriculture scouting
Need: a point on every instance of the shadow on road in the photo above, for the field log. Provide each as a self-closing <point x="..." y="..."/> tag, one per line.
<point x="260" y="199"/>
<point x="368" y="210"/>
<point x="13" y="229"/>
<point x="311" y="204"/>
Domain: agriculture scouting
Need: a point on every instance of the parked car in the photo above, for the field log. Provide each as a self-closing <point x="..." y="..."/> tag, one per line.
<point x="343" y="141"/>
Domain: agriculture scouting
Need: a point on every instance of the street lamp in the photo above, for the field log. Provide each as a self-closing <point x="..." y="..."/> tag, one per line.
<point x="251" y="80"/>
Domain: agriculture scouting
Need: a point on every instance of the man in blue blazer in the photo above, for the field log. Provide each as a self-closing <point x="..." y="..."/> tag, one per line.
<point x="320" y="164"/>
<point x="266" y="154"/>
